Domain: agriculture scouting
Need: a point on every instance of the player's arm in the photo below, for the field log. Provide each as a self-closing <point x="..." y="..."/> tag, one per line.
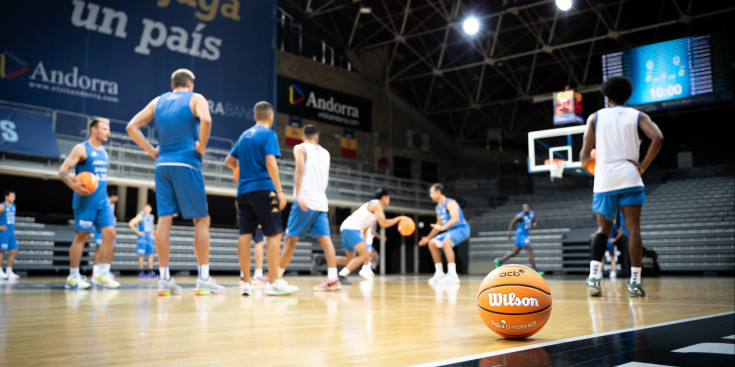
<point x="231" y="162"/>
<point x="272" y="166"/>
<point x="142" y="118"/>
<point x="2" y="208"/>
<point x="200" y="110"/>
<point x="651" y="130"/>
<point x="434" y="230"/>
<point x="298" y="178"/>
<point x="77" y="154"/>
<point x="377" y="235"/>
<point x="384" y="222"/>
<point x="513" y="221"/>
<point x="588" y="142"/>
<point x="133" y="224"/>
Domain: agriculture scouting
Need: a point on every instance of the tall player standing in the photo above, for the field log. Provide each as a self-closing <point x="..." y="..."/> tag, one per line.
<point x="184" y="124"/>
<point x="615" y="133"/>
<point x="91" y="209"/>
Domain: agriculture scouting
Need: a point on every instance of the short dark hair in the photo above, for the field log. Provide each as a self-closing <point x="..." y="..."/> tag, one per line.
<point x="111" y="191"/>
<point x="96" y="120"/>
<point x="262" y="110"/>
<point x="310" y="130"/>
<point x="379" y="193"/>
<point x="7" y="192"/>
<point x="180" y="77"/>
<point x="618" y="89"/>
<point x="438" y="187"/>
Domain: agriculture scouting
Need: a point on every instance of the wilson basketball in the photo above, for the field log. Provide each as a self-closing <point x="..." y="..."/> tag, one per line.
<point x="88" y="180"/>
<point x="590" y="167"/>
<point x="514" y="301"/>
<point x="406" y="227"/>
<point x="236" y="173"/>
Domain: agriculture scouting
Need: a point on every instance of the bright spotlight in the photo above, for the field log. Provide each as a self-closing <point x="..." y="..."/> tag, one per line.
<point x="564" y="5"/>
<point x="471" y="26"/>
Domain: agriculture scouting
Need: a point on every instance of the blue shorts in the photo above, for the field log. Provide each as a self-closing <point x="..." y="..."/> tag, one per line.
<point x="98" y="238"/>
<point x="146" y="246"/>
<point x="351" y="238"/>
<point x="456" y="235"/>
<point x="522" y="239"/>
<point x="302" y="222"/>
<point x="8" y="242"/>
<point x="86" y="219"/>
<point x="608" y="203"/>
<point x="180" y="190"/>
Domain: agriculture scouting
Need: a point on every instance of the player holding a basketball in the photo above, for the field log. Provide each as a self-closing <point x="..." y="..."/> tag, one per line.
<point x="184" y="124"/>
<point x="450" y="230"/>
<point x="91" y="209"/>
<point x="525" y="219"/>
<point x="353" y="231"/>
<point x="309" y="213"/>
<point x="615" y="134"/>
<point x="143" y="225"/>
<point x="8" y="241"/>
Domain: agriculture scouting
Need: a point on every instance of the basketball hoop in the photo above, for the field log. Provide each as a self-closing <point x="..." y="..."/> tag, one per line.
<point x="556" y="167"/>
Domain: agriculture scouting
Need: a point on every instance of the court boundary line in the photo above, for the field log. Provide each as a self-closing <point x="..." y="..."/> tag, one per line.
<point x="555" y="342"/>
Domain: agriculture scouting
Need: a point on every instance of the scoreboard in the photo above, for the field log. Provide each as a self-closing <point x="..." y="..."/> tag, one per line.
<point x="568" y="107"/>
<point x="672" y="74"/>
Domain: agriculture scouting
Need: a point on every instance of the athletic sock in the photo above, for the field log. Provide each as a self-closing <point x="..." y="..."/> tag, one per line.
<point x="95" y="269"/>
<point x="104" y="268"/>
<point x="204" y="271"/>
<point x="241" y="275"/>
<point x="163" y="272"/>
<point x="73" y="271"/>
<point x="595" y="269"/>
<point x="344" y="272"/>
<point x="332" y="273"/>
<point x="635" y="275"/>
<point x="258" y="273"/>
<point x="451" y="269"/>
<point x="438" y="269"/>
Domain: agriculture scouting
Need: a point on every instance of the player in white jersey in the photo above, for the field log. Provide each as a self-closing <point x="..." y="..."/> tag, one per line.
<point x="353" y="230"/>
<point x="615" y="132"/>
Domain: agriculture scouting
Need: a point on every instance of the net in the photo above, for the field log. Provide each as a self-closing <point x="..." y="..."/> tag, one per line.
<point x="556" y="168"/>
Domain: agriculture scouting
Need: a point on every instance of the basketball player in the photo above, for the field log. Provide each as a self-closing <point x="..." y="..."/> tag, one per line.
<point x="184" y="124"/>
<point x="91" y="209"/>
<point x="98" y="235"/>
<point x="449" y="230"/>
<point x="260" y="197"/>
<point x="8" y="242"/>
<point x="615" y="133"/>
<point x="525" y="219"/>
<point x="309" y="214"/>
<point x="353" y="230"/>
<point x="367" y="268"/>
<point x="143" y="225"/>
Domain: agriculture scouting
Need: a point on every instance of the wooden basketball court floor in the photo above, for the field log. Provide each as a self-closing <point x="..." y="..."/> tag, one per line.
<point x="390" y="321"/>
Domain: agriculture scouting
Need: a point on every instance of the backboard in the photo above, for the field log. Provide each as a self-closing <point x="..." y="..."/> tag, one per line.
<point x="561" y="143"/>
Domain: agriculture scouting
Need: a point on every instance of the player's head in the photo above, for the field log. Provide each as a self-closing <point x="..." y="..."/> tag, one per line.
<point x="436" y="191"/>
<point x="147" y="209"/>
<point x="9" y="195"/>
<point x="182" y="78"/>
<point x="617" y="89"/>
<point x="99" y="129"/>
<point x="382" y="195"/>
<point x="526" y="206"/>
<point x="112" y="194"/>
<point x="263" y="113"/>
<point x="311" y="133"/>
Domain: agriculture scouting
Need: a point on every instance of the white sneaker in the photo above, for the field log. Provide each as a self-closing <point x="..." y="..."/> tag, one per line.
<point x="105" y="280"/>
<point x="246" y="289"/>
<point x="613" y="275"/>
<point x="76" y="282"/>
<point x="208" y="286"/>
<point x="279" y="288"/>
<point x="366" y="273"/>
<point x="168" y="287"/>
<point x="11" y="275"/>
<point x="3" y="275"/>
<point x="436" y="278"/>
<point x="450" y="279"/>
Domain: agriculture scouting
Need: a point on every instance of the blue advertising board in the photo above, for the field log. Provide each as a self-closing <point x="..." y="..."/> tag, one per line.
<point x="110" y="58"/>
<point x="27" y="133"/>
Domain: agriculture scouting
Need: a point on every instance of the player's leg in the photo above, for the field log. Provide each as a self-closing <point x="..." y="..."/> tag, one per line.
<point x="366" y="271"/>
<point x="436" y="256"/>
<point x="167" y="207"/>
<point x="531" y="259"/>
<point x="243" y="255"/>
<point x="635" y="248"/>
<point x="298" y="220"/>
<point x="259" y="278"/>
<point x="2" y="256"/>
<point x="319" y="229"/>
<point x="141" y="273"/>
<point x="613" y="262"/>
<point x="605" y="206"/>
<point x="106" y="250"/>
<point x="516" y="249"/>
<point x="268" y="215"/>
<point x="448" y="247"/>
<point x="12" y="254"/>
<point x="356" y="261"/>
<point x="163" y="244"/>
<point x="75" y="280"/>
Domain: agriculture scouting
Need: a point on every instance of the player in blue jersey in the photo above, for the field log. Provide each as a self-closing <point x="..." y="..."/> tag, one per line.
<point x="260" y="197"/>
<point x="91" y="209"/>
<point x="98" y="235"/>
<point x="8" y="242"/>
<point x="525" y="219"/>
<point x="184" y="124"/>
<point x="616" y="133"/>
<point x="143" y="225"/>
<point x="450" y="230"/>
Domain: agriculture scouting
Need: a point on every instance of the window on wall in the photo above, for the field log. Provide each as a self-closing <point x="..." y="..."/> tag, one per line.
<point x="429" y="172"/>
<point x="401" y="167"/>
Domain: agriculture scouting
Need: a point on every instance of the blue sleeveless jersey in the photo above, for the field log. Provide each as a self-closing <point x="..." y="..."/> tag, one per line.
<point x="97" y="162"/>
<point x="178" y="131"/>
<point x="146" y="225"/>
<point x="445" y="217"/>
<point x="8" y="216"/>
<point x="526" y="222"/>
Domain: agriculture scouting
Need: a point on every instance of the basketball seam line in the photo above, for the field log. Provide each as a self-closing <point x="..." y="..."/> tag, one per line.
<point x="514" y="314"/>
<point x="520" y="285"/>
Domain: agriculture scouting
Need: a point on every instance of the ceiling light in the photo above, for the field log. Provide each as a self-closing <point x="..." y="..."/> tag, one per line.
<point x="365" y="10"/>
<point x="564" y="5"/>
<point x="471" y="25"/>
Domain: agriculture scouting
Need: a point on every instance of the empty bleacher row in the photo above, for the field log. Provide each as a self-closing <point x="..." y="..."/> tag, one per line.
<point x="688" y="220"/>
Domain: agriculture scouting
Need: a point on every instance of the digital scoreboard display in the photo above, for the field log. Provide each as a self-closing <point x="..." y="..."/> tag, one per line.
<point x="673" y="74"/>
<point x="568" y="107"/>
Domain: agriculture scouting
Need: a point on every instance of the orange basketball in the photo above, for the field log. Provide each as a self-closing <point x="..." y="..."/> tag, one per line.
<point x="590" y="167"/>
<point x="88" y="180"/>
<point x="514" y="301"/>
<point x="236" y="173"/>
<point x="406" y="226"/>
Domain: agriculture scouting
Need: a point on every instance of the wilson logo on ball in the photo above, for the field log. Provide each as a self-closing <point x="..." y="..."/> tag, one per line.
<point x="510" y="299"/>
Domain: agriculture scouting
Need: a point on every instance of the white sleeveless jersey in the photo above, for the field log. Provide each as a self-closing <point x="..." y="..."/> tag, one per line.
<point x="362" y="218"/>
<point x="617" y="140"/>
<point x="316" y="177"/>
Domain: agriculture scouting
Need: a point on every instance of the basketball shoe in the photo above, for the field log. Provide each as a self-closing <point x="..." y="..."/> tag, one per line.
<point x="593" y="287"/>
<point x="105" y="280"/>
<point x="260" y="280"/>
<point x="208" y="286"/>
<point x="10" y="275"/>
<point x="328" y="285"/>
<point x="366" y="273"/>
<point x="168" y="287"/>
<point x="436" y="278"/>
<point x="76" y="282"/>
<point x="344" y="280"/>
<point x="497" y="262"/>
<point x="636" y="290"/>
<point x="279" y="288"/>
<point x="449" y="279"/>
<point x="246" y="289"/>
